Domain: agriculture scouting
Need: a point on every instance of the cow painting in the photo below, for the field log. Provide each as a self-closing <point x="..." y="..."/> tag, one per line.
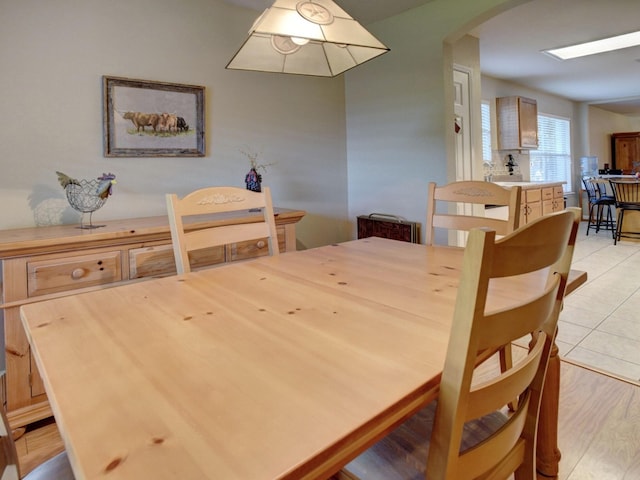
<point x="182" y="125"/>
<point x="168" y="123"/>
<point x="141" y="120"/>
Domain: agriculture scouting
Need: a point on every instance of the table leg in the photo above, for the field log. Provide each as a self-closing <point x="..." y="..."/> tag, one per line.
<point x="548" y="454"/>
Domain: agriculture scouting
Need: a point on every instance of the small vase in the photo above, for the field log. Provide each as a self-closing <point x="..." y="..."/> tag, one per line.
<point x="253" y="180"/>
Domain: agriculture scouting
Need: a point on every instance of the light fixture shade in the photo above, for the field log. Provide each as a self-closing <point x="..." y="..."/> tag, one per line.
<point x="306" y="37"/>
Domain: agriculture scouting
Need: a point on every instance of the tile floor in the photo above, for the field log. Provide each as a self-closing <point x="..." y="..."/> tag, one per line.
<point x="600" y="324"/>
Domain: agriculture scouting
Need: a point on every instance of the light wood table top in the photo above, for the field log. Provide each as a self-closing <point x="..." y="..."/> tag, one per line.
<point x="282" y="367"/>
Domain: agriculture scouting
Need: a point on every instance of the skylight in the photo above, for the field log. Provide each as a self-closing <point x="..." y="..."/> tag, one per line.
<point x="598" y="46"/>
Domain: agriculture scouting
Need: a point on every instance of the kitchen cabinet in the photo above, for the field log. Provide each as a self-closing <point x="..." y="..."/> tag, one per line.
<point x="552" y="199"/>
<point x="625" y="151"/>
<point x="537" y="199"/>
<point x="46" y="262"/>
<point x="530" y="205"/>
<point x="517" y="121"/>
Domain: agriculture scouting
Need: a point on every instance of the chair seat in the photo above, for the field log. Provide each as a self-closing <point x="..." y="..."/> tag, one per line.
<point x="402" y="455"/>
<point x="57" y="468"/>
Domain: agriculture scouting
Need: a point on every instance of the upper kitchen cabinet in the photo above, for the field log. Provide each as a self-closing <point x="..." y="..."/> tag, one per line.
<point x="625" y="151"/>
<point x="517" y="119"/>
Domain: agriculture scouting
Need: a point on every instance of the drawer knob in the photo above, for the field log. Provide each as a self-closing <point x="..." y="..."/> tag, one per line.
<point x="77" y="273"/>
<point x="260" y="244"/>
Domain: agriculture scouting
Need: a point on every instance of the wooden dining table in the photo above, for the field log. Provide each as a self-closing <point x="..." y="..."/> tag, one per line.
<point x="283" y="367"/>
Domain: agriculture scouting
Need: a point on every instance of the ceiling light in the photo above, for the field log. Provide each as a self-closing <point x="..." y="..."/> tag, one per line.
<point x="598" y="46"/>
<point x="306" y="37"/>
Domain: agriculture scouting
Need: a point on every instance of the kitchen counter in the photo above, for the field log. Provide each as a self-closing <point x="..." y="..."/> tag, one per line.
<point x="530" y="185"/>
<point x="538" y="198"/>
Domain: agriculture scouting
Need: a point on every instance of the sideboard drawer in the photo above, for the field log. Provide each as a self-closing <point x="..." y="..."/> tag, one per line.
<point x="255" y="248"/>
<point x="158" y="260"/>
<point x="70" y="273"/>
<point x="249" y="249"/>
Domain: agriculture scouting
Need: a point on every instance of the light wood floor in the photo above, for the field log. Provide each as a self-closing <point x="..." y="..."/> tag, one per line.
<point x="599" y="431"/>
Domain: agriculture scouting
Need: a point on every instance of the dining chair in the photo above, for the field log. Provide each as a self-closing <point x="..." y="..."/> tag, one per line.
<point x="458" y="197"/>
<point x="214" y="200"/>
<point x="56" y="468"/>
<point x="466" y="433"/>
<point x="599" y="203"/>
<point x="627" y="197"/>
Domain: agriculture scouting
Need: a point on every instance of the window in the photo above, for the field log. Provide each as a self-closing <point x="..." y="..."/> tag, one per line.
<point x="551" y="162"/>
<point x="486" y="131"/>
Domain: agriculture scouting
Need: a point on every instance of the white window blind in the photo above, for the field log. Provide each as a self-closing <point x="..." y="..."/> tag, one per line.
<point x="551" y="162"/>
<point x="486" y="131"/>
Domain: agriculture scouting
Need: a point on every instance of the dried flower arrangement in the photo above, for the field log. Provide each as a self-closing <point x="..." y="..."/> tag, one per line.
<point x="252" y="156"/>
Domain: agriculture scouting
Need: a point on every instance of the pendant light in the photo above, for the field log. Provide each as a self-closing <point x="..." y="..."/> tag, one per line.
<point x="306" y="37"/>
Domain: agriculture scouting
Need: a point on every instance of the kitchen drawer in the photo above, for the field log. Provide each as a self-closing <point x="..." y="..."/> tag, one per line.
<point x="72" y="272"/>
<point x="547" y="193"/>
<point x="158" y="260"/>
<point x="533" y="195"/>
<point x="558" y="192"/>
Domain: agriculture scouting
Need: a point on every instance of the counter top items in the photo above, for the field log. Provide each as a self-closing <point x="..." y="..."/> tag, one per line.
<point x="265" y="369"/>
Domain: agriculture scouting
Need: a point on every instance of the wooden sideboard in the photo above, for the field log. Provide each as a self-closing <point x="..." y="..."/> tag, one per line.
<point x="44" y="262"/>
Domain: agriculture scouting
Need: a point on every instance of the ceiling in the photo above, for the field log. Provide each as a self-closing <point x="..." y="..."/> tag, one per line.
<point x="511" y="44"/>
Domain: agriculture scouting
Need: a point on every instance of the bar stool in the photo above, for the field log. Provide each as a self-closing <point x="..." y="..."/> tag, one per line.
<point x="627" y="197"/>
<point x="599" y="202"/>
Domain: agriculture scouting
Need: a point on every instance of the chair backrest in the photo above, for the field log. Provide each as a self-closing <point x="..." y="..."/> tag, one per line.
<point x="542" y="248"/>
<point x="590" y="188"/>
<point x="626" y="192"/>
<point x="456" y="194"/>
<point x="595" y="188"/>
<point x="213" y="200"/>
<point x="9" y="469"/>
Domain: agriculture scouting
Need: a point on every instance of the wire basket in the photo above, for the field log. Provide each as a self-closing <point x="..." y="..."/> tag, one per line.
<point x="82" y="196"/>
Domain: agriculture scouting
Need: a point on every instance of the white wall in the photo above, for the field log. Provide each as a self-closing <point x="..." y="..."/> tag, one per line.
<point x="53" y="55"/>
<point x="602" y="124"/>
<point x="400" y="109"/>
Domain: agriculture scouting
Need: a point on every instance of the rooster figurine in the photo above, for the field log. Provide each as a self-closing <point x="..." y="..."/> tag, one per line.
<point x="87" y="196"/>
<point x="107" y="181"/>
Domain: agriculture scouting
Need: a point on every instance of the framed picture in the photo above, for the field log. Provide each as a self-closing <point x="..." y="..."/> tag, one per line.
<point x="143" y="118"/>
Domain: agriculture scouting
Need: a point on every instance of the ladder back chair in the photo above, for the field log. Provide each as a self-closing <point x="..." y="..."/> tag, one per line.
<point x="627" y="198"/>
<point x="466" y="434"/>
<point x="213" y="200"/>
<point x="56" y="468"/>
<point x="461" y="194"/>
<point x="457" y="195"/>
